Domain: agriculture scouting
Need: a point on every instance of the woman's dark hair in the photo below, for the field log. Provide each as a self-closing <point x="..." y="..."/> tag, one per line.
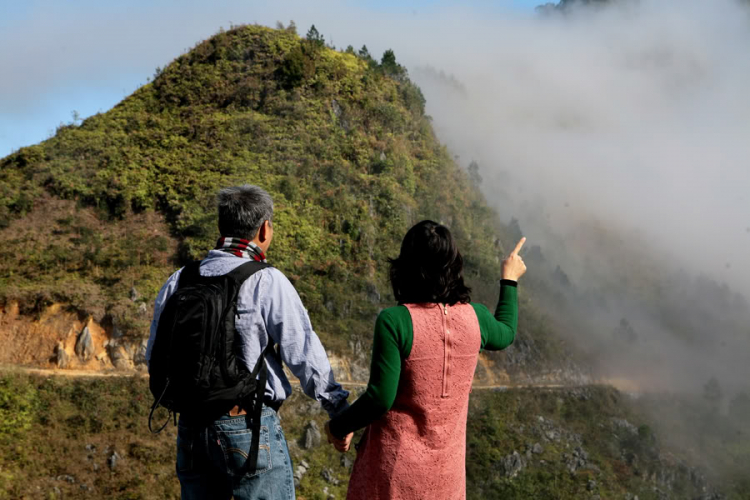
<point x="429" y="268"/>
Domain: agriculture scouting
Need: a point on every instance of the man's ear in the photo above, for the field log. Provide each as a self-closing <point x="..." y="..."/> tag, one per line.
<point x="263" y="232"/>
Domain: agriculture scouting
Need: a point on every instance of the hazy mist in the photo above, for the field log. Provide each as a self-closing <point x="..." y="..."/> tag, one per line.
<point x="618" y="138"/>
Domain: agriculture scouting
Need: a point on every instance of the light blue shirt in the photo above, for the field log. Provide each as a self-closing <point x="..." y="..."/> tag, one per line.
<point x="269" y="306"/>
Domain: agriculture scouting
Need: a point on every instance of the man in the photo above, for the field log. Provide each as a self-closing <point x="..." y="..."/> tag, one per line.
<point x="210" y="458"/>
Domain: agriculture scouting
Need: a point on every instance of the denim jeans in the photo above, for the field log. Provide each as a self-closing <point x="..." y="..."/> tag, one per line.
<point x="210" y="460"/>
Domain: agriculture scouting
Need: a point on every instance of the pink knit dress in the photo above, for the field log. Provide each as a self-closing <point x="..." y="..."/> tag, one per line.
<point x="417" y="450"/>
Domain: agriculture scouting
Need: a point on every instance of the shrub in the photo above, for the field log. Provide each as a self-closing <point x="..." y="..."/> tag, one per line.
<point x="18" y="404"/>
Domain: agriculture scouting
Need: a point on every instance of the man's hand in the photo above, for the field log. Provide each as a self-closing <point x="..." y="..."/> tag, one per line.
<point x="513" y="266"/>
<point x="341" y="445"/>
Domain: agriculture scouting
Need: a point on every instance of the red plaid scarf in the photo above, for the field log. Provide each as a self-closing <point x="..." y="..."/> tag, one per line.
<point x="241" y="248"/>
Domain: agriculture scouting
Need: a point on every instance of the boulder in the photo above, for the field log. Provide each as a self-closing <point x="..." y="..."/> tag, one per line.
<point x="373" y="294"/>
<point x="299" y="472"/>
<point x="312" y="436"/>
<point x="113" y="460"/>
<point x="62" y="359"/>
<point x="336" y="108"/>
<point x="84" y="345"/>
<point x="512" y="464"/>
<point x="327" y="475"/>
<point x="118" y="356"/>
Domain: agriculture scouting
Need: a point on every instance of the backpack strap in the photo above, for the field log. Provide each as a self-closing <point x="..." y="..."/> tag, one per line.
<point x="190" y="274"/>
<point x="242" y="272"/>
<point x="153" y="409"/>
<point x="261" y="371"/>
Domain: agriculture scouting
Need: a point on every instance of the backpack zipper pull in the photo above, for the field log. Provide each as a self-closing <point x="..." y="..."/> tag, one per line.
<point x="445" y="309"/>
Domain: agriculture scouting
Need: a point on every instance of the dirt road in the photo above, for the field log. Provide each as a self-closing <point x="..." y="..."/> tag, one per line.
<point x="137" y="373"/>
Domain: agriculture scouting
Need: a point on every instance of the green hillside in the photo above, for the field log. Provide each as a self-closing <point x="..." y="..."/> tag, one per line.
<point x="340" y="140"/>
<point x="58" y="437"/>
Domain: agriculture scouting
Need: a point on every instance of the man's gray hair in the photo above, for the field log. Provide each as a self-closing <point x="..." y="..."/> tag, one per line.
<point x="242" y="210"/>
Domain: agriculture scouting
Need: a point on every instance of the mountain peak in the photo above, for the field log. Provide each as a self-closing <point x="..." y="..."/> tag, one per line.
<point x="339" y="139"/>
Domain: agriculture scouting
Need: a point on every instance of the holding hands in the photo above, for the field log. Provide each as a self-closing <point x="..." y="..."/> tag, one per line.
<point x="341" y="445"/>
<point x="513" y="266"/>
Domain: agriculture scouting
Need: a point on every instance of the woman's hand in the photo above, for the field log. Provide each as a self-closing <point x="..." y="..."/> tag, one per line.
<point x="341" y="445"/>
<point x="513" y="266"/>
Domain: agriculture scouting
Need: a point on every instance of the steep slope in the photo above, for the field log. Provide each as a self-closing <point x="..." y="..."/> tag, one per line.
<point x="96" y="217"/>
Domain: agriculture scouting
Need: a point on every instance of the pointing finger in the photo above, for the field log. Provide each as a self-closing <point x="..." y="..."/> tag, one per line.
<point x="518" y="247"/>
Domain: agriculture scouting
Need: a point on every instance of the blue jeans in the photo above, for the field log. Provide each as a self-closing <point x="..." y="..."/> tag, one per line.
<point x="210" y="460"/>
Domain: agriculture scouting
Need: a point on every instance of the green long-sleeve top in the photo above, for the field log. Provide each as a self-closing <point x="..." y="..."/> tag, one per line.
<point x="392" y="344"/>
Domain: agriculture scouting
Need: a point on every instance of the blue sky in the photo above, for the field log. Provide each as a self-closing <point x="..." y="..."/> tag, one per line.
<point x="86" y="56"/>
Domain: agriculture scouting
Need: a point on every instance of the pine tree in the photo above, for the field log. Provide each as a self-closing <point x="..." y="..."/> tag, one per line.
<point x="314" y="37"/>
<point x="364" y="53"/>
<point x="389" y="60"/>
<point x="389" y="65"/>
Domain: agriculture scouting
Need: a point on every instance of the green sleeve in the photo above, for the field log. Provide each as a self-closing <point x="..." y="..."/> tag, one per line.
<point x="391" y="345"/>
<point x="499" y="331"/>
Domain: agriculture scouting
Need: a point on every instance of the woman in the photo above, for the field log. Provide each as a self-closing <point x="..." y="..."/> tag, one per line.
<point x="423" y="359"/>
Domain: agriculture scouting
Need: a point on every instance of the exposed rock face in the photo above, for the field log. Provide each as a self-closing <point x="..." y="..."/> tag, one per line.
<point x="116" y="332"/>
<point x="62" y="359"/>
<point x="525" y="363"/>
<point x="60" y="337"/>
<point x="84" y="345"/>
<point x="352" y="368"/>
<point x="139" y="357"/>
<point x="621" y="423"/>
<point x="117" y="355"/>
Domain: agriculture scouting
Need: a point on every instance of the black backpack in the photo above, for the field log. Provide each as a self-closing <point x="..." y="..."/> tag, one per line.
<point x="193" y="367"/>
